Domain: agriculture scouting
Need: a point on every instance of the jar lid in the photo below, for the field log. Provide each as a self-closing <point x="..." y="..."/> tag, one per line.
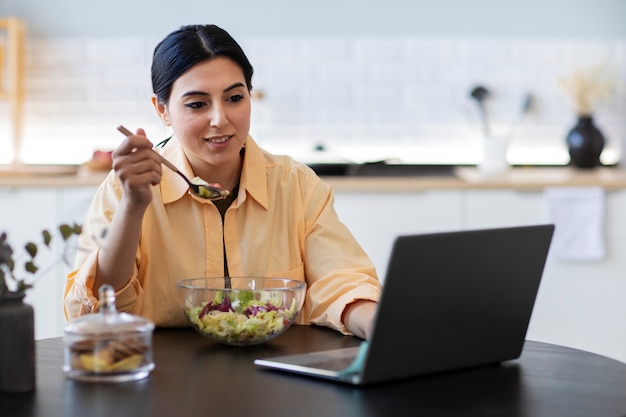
<point x="107" y="320"/>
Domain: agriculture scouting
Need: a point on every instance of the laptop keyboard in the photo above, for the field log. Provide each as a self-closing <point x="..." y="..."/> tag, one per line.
<point x="337" y="364"/>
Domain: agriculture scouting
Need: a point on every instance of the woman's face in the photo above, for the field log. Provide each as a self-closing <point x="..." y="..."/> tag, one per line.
<point x="209" y="111"/>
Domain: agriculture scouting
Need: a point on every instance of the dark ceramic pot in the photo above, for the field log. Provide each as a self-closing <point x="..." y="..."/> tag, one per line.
<point x="585" y="143"/>
<point x="17" y="344"/>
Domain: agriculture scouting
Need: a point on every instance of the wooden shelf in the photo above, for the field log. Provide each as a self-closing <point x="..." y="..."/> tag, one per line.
<point x="12" y="30"/>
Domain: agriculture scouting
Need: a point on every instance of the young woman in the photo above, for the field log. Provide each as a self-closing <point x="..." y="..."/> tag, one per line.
<point x="278" y="221"/>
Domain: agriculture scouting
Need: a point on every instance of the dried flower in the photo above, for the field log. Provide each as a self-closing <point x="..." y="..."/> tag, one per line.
<point x="588" y="86"/>
<point x="8" y="262"/>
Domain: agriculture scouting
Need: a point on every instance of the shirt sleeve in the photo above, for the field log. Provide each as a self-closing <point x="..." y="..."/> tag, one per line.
<point x="337" y="269"/>
<point x="79" y="298"/>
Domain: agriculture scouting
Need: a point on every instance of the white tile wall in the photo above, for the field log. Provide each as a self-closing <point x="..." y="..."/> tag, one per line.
<point x="393" y="96"/>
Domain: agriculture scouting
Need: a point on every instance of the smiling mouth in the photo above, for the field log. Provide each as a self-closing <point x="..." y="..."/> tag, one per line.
<point x="218" y="139"/>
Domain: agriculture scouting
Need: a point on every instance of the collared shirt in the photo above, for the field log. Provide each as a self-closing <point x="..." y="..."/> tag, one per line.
<point x="282" y="224"/>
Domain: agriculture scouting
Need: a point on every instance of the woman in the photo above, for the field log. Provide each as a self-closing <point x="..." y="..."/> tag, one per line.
<point x="279" y="219"/>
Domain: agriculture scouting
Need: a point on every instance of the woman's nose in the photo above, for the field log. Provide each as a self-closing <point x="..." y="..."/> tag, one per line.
<point x="218" y="116"/>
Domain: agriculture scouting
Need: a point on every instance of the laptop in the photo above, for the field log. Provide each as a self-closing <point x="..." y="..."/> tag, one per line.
<point x="450" y="301"/>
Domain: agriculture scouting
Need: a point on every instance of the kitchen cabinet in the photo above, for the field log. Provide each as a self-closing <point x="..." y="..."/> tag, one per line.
<point x="579" y="304"/>
<point x="25" y="212"/>
<point x="376" y="218"/>
<point x="502" y="208"/>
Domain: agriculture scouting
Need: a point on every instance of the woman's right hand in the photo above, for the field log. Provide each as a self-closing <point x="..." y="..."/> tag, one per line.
<point x="138" y="168"/>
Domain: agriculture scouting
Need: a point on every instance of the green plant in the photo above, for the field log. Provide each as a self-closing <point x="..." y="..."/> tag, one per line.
<point x="9" y="281"/>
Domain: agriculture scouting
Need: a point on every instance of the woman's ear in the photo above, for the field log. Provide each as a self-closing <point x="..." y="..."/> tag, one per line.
<point x="161" y="110"/>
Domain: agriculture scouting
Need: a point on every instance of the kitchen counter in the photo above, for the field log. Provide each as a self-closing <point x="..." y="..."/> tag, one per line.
<point x="535" y="178"/>
<point x="472" y="178"/>
<point x="53" y="176"/>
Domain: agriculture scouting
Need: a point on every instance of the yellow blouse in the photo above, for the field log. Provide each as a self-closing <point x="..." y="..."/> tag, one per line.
<point x="282" y="224"/>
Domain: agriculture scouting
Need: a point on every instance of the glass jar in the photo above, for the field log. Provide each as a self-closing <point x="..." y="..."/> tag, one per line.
<point x="108" y="346"/>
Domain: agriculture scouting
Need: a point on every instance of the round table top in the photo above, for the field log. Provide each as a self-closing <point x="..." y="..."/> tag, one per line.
<point x="194" y="376"/>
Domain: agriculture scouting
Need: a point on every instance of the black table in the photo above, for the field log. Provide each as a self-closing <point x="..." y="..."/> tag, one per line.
<point x="196" y="377"/>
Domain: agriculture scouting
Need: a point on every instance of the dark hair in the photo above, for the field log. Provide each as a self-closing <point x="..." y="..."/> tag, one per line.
<point x="187" y="46"/>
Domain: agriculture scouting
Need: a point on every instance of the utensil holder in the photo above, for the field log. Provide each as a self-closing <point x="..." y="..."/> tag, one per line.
<point x="494" y="155"/>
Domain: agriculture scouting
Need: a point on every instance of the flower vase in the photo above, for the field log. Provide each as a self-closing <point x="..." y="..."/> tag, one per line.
<point x="17" y="344"/>
<point x="585" y="143"/>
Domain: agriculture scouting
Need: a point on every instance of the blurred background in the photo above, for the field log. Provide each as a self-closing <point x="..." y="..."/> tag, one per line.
<point x="363" y="80"/>
<point x="356" y="81"/>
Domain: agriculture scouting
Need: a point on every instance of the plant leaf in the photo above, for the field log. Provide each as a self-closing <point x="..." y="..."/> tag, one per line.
<point x="7" y="261"/>
<point x="6" y="252"/>
<point x="3" y="284"/>
<point x="47" y="237"/>
<point x="77" y="229"/>
<point x="31" y="267"/>
<point x="31" y="248"/>
<point x="66" y="231"/>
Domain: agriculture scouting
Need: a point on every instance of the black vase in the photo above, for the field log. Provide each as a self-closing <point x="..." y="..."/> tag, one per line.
<point x="17" y="344"/>
<point x="585" y="143"/>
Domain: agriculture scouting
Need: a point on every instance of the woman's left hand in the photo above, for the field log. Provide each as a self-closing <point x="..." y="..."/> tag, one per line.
<point x="358" y="317"/>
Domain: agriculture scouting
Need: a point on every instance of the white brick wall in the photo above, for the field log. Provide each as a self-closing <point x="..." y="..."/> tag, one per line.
<point x="393" y="96"/>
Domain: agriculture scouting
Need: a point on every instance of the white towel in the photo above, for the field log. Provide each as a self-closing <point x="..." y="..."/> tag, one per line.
<point x="578" y="216"/>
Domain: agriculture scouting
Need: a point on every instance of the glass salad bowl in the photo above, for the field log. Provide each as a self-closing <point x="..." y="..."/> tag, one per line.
<point x="241" y="311"/>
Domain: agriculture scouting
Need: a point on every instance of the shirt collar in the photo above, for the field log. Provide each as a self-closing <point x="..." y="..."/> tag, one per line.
<point x="253" y="180"/>
<point x="254" y="175"/>
<point x="173" y="186"/>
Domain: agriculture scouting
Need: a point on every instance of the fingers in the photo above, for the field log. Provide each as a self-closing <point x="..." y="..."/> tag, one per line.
<point x="134" y="142"/>
<point x="137" y="166"/>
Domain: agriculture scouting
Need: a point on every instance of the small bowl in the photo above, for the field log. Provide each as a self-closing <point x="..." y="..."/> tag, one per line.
<point x="250" y="312"/>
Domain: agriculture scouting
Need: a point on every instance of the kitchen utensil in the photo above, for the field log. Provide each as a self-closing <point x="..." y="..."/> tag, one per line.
<point x="526" y="105"/>
<point x="249" y="311"/>
<point x="198" y="189"/>
<point x="480" y="93"/>
<point x="528" y="99"/>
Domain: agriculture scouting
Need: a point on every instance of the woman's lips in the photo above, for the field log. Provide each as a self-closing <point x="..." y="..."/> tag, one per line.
<point x="218" y="139"/>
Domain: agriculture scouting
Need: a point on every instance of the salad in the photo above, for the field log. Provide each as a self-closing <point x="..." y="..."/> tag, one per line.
<point x="210" y="191"/>
<point x="243" y="320"/>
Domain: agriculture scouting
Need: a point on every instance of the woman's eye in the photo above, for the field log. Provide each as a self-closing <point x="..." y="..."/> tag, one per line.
<point x="195" y="105"/>
<point x="236" y="98"/>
